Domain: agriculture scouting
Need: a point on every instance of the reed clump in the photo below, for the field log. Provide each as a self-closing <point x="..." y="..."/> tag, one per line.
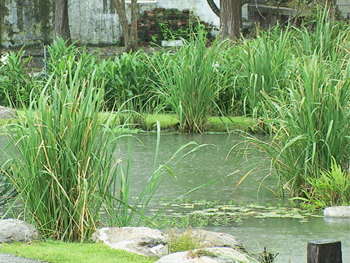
<point x="307" y="107"/>
<point x="62" y="164"/>
<point x="189" y="81"/>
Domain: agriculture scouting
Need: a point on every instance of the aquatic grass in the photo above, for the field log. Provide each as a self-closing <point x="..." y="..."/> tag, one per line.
<point x="302" y="97"/>
<point x="263" y="68"/>
<point x="188" y="82"/>
<point x="61" y="158"/>
<point x="15" y="84"/>
<point x="310" y="124"/>
<point x="323" y="37"/>
<point x="63" y="62"/>
<point x="7" y="191"/>
<point x="330" y="188"/>
<point x="128" y="80"/>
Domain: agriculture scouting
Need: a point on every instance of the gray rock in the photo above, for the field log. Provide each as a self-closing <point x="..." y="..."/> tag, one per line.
<point x="140" y="240"/>
<point x="216" y="239"/>
<point x="6" y="112"/>
<point x="207" y="255"/>
<point x="8" y="258"/>
<point x="337" y="211"/>
<point x="17" y="230"/>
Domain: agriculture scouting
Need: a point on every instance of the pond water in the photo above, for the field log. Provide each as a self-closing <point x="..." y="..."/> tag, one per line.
<point x="214" y="161"/>
<point x="286" y="236"/>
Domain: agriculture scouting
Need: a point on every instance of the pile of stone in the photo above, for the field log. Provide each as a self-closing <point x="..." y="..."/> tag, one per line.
<point x="213" y="247"/>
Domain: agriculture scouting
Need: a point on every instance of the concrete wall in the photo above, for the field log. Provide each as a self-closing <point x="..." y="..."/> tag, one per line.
<point x="25" y="22"/>
<point x="96" y="22"/>
<point x="91" y="22"/>
<point x="30" y="22"/>
<point x="344" y="7"/>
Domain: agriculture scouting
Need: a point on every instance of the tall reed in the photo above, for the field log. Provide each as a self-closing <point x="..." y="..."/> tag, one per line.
<point x="304" y="99"/>
<point x="128" y="82"/>
<point x="188" y="81"/>
<point x="263" y="68"/>
<point x="62" y="162"/>
<point x="311" y="124"/>
<point x="15" y="84"/>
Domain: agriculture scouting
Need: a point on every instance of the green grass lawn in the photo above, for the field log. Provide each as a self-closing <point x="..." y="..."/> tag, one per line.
<point x="61" y="252"/>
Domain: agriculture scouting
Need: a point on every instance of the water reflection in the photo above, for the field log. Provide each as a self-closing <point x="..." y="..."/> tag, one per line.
<point x="208" y="163"/>
<point x="288" y="237"/>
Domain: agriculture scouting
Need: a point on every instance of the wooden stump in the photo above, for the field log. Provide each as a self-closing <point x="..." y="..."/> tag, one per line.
<point x="324" y="251"/>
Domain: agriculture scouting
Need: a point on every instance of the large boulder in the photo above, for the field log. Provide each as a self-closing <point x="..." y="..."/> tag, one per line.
<point x="140" y="240"/>
<point x="6" y="112"/>
<point x="215" y="239"/>
<point x="207" y="255"/>
<point x="12" y="230"/>
<point x="337" y="211"/>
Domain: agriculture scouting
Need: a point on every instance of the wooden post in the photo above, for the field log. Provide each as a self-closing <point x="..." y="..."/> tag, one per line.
<point x="324" y="251"/>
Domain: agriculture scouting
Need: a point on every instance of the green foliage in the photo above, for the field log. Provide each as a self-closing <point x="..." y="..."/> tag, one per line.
<point x="62" y="63"/>
<point x="183" y="241"/>
<point x="188" y="82"/>
<point x="15" y="84"/>
<point x="169" y="34"/>
<point x="330" y="188"/>
<point x="62" y="163"/>
<point x="127" y="81"/>
<point x="308" y="116"/>
<point x="294" y="81"/>
<point x="263" y="68"/>
<point x="7" y="191"/>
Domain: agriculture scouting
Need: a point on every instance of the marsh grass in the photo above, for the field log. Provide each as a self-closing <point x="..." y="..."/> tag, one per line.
<point x="62" y="163"/>
<point x="310" y="124"/>
<point x="127" y="82"/>
<point x="330" y="188"/>
<point x="188" y="82"/>
<point x="263" y="68"/>
<point x="15" y="84"/>
<point x="302" y="94"/>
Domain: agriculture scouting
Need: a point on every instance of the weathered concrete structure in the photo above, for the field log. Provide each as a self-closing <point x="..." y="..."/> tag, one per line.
<point x="30" y="22"/>
<point x="25" y="22"/>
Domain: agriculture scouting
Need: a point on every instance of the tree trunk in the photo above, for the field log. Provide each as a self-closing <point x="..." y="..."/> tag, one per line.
<point x="61" y="20"/>
<point x="230" y="18"/>
<point x="129" y="34"/>
<point x="214" y="7"/>
<point x="133" y="29"/>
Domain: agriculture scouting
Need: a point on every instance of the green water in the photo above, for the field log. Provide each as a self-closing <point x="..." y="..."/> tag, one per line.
<point x="286" y="236"/>
<point x="214" y="161"/>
